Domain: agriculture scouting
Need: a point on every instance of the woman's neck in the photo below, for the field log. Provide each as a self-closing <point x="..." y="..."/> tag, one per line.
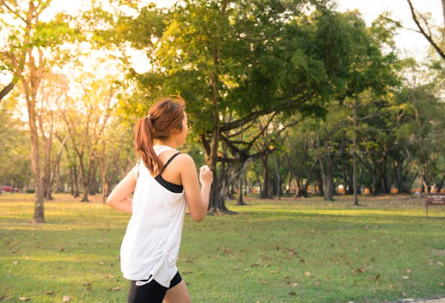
<point x="169" y="143"/>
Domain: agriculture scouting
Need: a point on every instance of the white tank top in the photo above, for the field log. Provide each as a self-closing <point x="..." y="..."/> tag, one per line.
<point x="151" y="244"/>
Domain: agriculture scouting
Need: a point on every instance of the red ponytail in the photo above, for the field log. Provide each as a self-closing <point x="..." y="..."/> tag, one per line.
<point x="164" y="116"/>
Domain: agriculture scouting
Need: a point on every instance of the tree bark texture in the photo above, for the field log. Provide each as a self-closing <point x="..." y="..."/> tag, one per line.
<point x="8" y="88"/>
<point x="265" y="190"/>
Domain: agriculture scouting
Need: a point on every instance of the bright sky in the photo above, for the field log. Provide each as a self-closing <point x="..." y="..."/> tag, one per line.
<point x="409" y="42"/>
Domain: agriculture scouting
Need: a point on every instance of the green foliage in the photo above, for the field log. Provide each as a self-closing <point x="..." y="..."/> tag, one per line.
<point x="24" y="35"/>
<point x="54" y="33"/>
<point x="267" y="55"/>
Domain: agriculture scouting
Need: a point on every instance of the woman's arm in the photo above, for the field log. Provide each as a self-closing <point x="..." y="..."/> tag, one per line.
<point x="119" y="197"/>
<point x="197" y="200"/>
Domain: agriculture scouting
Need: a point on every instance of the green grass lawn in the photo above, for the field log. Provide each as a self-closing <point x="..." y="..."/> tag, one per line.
<point x="291" y="250"/>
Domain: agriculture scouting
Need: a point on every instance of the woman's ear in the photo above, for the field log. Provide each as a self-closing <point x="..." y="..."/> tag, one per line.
<point x="176" y="131"/>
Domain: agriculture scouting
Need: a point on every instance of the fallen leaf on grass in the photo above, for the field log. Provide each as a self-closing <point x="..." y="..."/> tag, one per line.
<point x="406" y="277"/>
<point x="307" y="274"/>
<point x="86" y="284"/>
<point x="66" y="299"/>
<point x="117" y="288"/>
<point x="377" y="277"/>
<point x="264" y="282"/>
<point x="438" y="252"/>
<point x="50" y="293"/>
<point x="292" y="293"/>
<point x="24" y="299"/>
<point x="61" y="249"/>
<point x="294" y="284"/>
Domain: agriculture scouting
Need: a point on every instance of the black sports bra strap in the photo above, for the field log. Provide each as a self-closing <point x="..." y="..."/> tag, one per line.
<point x="169" y="161"/>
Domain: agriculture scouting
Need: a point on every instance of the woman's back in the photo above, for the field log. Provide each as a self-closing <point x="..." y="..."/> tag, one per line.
<point x="151" y="243"/>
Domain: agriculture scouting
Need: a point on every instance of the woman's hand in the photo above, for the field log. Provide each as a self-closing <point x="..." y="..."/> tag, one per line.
<point x="205" y="176"/>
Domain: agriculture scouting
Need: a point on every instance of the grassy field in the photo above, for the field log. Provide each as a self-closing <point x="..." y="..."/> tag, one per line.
<point x="271" y="251"/>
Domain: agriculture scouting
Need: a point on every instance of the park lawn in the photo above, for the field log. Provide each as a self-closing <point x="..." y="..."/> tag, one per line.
<point x="293" y="250"/>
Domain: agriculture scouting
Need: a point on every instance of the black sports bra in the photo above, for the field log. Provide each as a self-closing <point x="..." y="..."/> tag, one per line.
<point x="175" y="188"/>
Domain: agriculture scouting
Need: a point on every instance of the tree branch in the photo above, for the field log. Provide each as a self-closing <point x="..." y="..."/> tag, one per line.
<point x="3" y="2"/>
<point x="428" y="37"/>
<point x="6" y="90"/>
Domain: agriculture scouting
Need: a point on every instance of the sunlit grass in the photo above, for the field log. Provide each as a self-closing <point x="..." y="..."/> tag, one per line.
<point x="292" y="250"/>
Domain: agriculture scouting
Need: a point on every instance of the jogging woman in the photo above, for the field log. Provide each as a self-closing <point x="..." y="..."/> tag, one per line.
<point x="164" y="182"/>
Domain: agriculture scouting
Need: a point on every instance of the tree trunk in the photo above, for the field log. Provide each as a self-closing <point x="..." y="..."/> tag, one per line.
<point x="103" y="173"/>
<point x="326" y="178"/>
<point x="39" y="211"/>
<point x="278" y="181"/>
<point x="265" y="192"/>
<point x="56" y="166"/>
<point x="345" y="177"/>
<point x="47" y="145"/>
<point x="442" y="181"/>
<point x="76" y="180"/>
<point x="240" y="189"/>
<point x="320" y="190"/>
<point x="354" y="157"/>
<point x="231" y="193"/>
<point x="217" y="203"/>
<point x="89" y="180"/>
<point x="328" y="185"/>
<point x="301" y="189"/>
<point x="86" y="191"/>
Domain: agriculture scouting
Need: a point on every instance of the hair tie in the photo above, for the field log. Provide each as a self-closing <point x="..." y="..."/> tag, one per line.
<point x="148" y="116"/>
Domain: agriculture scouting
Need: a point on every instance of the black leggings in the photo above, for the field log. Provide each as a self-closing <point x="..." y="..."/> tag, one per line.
<point x="152" y="292"/>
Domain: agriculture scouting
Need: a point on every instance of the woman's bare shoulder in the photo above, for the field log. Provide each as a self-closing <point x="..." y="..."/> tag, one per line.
<point x="186" y="159"/>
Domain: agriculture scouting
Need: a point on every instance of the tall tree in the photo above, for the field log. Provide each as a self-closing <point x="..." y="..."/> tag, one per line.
<point x="29" y="51"/>
<point x="237" y="60"/>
